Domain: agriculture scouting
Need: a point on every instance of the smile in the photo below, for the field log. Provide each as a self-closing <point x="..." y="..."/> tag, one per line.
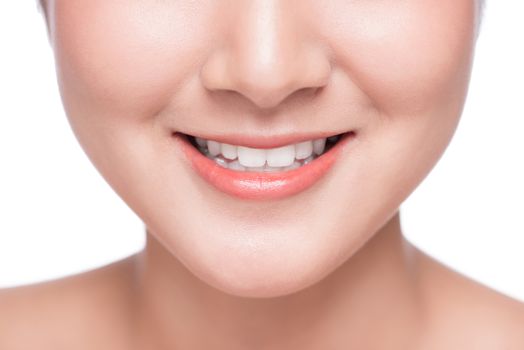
<point x="262" y="172"/>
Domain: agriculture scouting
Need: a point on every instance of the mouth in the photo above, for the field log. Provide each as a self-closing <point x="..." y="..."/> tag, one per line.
<point x="279" y="167"/>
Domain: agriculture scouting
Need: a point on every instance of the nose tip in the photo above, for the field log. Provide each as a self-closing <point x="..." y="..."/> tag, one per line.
<point x="266" y="58"/>
<point x="266" y="86"/>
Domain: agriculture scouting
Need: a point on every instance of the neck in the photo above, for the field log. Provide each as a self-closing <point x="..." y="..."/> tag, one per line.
<point x="372" y="293"/>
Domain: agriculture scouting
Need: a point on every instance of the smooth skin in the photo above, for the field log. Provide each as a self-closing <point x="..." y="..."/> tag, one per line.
<point x="327" y="268"/>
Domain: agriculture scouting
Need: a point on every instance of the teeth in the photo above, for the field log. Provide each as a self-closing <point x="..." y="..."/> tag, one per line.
<point x="308" y="160"/>
<point x="281" y="157"/>
<point x="200" y="142"/>
<point x="319" y="145"/>
<point x="257" y="168"/>
<point x="241" y="158"/>
<point x="251" y="157"/>
<point x="270" y="169"/>
<point x="293" y="166"/>
<point x="229" y="151"/>
<point x="235" y="165"/>
<point x="213" y="147"/>
<point x="220" y="161"/>
<point x="303" y="149"/>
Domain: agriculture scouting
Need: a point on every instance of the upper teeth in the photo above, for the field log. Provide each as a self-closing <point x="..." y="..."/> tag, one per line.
<point x="248" y="157"/>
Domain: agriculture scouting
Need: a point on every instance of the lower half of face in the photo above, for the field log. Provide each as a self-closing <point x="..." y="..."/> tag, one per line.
<point x="390" y="76"/>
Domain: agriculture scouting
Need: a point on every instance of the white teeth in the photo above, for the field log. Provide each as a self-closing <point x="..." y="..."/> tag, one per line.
<point x="251" y="157"/>
<point x="241" y="158"/>
<point x="270" y="169"/>
<point x="303" y="149"/>
<point x="235" y="165"/>
<point x="257" y="168"/>
<point x="220" y="161"/>
<point x="318" y="146"/>
<point x="228" y="151"/>
<point x="213" y="147"/>
<point x="293" y="166"/>
<point x="281" y="157"/>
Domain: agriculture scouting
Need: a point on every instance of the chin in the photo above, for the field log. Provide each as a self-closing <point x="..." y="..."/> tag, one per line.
<point x="259" y="273"/>
<point x="256" y="262"/>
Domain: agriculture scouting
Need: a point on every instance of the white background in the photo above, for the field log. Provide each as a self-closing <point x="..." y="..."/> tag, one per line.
<point x="59" y="217"/>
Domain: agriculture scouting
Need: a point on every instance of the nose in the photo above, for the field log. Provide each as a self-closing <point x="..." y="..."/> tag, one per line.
<point x="267" y="55"/>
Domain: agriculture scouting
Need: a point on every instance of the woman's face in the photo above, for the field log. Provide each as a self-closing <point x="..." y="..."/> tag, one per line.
<point x="393" y="74"/>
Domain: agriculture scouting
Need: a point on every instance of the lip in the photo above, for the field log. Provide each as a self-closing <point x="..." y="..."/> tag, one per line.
<point x="266" y="141"/>
<point x="261" y="185"/>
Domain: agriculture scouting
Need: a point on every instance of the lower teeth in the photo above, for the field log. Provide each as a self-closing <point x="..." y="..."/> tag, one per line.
<point x="235" y="165"/>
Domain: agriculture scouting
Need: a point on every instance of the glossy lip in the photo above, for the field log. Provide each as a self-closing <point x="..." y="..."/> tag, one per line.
<point x="261" y="185"/>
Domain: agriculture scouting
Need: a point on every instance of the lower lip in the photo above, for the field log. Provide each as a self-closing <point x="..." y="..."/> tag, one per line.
<point x="261" y="185"/>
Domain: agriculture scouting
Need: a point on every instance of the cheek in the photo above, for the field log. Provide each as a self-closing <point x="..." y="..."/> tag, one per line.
<point x="123" y="57"/>
<point x="119" y="62"/>
<point x="413" y="60"/>
<point x="409" y="57"/>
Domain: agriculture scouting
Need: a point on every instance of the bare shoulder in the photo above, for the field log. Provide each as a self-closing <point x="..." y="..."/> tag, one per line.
<point x="70" y="312"/>
<point x="464" y="314"/>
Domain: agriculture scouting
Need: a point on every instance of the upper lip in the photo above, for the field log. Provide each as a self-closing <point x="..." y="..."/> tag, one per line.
<point x="266" y="141"/>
